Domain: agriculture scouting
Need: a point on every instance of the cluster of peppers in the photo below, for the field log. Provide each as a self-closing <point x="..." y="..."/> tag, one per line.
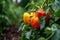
<point x="33" y="18"/>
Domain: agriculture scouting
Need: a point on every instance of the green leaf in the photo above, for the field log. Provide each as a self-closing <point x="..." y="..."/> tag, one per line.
<point x="56" y="35"/>
<point x="21" y="26"/>
<point x="56" y="5"/>
<point x="27" y="5"/>
<point x="42" y="38"/>
<point x="40" y="2"/>
<point x="28" y="34"/>
<point x="51" y="22"/>
<point x="47" y="9"/>
<point x="42" y="22"/>
<point x="26" y="27"/>
<point x="57" y="13"/>
<point x="51" y="31"/>
<point x="54" y="27"/>
<point x="48" y="31"/>
<point x="23" y="36"/>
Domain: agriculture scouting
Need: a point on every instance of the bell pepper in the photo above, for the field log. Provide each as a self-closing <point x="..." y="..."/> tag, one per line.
<point x="48" y="16"/>
<point x="40" y="13"/>
<point x="26" y="18"/>
<point x="35" y="23"/>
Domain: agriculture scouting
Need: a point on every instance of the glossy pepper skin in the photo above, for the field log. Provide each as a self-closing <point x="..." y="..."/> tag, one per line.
<point x="26" y="18"/>
<point x="40" y="13"/>
<point x="48" y="16"/>
<point x="35" y="23"/>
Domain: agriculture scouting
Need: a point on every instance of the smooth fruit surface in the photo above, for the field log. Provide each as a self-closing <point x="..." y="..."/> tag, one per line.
<point x="26" y="18"/>
<point x="41" y="13"/>
<point x="35" y="23"/>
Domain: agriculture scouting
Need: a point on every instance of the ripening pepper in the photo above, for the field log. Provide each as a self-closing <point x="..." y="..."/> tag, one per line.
<point x="35" y="23"/>
<point x="48" y="16"/>
<point x="26" y="18"/>
<point x="40" y="13"/>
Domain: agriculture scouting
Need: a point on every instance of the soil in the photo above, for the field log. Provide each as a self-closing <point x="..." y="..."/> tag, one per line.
<point x="11" y="34"/>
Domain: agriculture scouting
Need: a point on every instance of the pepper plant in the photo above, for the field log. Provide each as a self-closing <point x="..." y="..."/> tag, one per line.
<point x="41" y="20"/>
<point x="37" y="19"/>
